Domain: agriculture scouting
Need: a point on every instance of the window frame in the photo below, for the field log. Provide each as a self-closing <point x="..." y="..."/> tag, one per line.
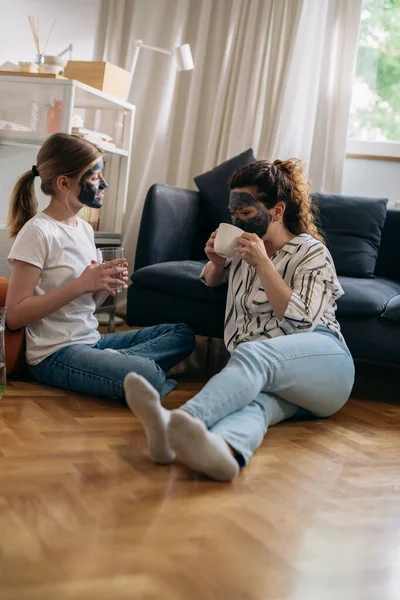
<point x="373" y="150"/>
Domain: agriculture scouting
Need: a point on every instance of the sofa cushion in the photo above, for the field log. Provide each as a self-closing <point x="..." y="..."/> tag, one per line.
<point x="363" y="297"/>
<point x="353" y="228"/>
<point x="181" y="279"/>
<point x="366" y="297"/>
<point x="213" y="187"/>
<point x="14" y="341"/>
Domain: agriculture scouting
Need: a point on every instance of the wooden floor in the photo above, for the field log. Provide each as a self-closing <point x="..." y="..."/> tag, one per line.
<point x="85" y="514"/>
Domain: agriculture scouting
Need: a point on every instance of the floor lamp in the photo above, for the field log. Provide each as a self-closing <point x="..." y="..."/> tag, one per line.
<point x="182" y="54"/>
<point x="184" y="62"/>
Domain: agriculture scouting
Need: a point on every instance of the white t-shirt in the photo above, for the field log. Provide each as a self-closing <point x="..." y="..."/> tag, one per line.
<point x="62" y="252"/>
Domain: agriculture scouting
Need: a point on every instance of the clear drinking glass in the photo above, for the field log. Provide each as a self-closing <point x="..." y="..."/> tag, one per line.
<point x="110" y="253"/>
<point x="2" y="352"/>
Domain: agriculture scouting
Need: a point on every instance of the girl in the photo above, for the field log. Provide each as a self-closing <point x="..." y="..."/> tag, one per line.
<point x="56" y="283"/>
<point x="287" y="353"/>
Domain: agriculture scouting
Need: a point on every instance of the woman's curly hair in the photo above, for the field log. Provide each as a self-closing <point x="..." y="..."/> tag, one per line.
<point x="282" y="181"/>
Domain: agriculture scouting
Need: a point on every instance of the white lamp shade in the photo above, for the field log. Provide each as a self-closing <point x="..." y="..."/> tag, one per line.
<point x="184" y="58"/>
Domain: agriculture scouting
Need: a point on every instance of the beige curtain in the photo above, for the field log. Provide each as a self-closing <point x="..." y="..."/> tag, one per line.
<point x="275" y="75"/>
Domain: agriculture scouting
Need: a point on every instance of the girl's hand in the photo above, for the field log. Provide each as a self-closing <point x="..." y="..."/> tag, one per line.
<point x="216" y="259"/>
<point x="122" y="277"/>
<point x="252" y="250"/>
<point x="103" y="277"/>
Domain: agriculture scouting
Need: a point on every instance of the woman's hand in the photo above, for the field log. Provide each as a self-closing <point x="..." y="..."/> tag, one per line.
<point x="104" y="277"/>
<point x="216" y="259"/>
<point x="252" y="250"/>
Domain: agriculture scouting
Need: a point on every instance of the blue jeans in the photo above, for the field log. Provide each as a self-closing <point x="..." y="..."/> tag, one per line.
<point x="89" y="370"/>
<point x="265" y="382"/>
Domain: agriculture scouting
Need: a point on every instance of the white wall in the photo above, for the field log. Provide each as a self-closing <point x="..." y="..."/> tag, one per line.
<point x="375" y="178"/>
<point x="76" y="22"/>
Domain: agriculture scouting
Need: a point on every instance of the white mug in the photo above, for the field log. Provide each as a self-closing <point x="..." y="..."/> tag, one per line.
<point x="226" y="241"/>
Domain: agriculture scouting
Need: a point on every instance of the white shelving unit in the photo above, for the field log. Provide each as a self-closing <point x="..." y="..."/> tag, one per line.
<point x="32" y="108"/>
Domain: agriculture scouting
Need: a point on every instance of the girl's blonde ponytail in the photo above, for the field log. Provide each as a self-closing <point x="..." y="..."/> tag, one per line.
<point x="23" y="205"/>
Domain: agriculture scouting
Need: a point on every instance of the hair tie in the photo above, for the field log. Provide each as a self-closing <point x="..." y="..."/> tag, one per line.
<point x="35" y="172"/>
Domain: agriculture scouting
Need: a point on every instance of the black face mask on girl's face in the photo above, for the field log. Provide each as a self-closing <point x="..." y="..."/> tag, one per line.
<point x="91" y="191"/>
<point x="257" y="224"/>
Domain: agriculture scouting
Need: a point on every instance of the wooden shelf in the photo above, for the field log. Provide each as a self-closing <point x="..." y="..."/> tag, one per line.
<point x="36" y="142"/>
<point x="26" y="100"/>
<point x="38" y="75"/>
<point x="107" y="238"/>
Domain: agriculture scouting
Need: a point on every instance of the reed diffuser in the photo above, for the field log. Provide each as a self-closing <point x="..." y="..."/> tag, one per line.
<point x="35" y="32"/>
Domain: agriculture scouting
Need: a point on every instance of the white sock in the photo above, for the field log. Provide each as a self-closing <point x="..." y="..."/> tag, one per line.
<point x="199" y="449"/>
<point x="144" y="401"/>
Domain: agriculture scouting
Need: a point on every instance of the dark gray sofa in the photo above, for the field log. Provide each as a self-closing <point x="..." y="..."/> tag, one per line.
<point x="165" y="285"/>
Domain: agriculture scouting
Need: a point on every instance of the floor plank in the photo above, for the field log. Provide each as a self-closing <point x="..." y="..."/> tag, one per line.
<point x="85" y="515"/>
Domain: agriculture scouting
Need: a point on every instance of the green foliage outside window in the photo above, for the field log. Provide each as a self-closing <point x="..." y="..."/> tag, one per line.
<point x="375" y="109"/>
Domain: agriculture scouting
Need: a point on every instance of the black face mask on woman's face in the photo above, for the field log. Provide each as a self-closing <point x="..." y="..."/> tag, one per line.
<point x="257" y="224"/>
<point x="91" y="191"/>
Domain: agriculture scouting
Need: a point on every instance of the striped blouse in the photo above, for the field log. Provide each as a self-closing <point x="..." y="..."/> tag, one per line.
<point x="307" y="267"/>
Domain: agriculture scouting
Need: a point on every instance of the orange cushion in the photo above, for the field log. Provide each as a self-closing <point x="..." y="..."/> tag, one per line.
<point x="14" y="340"/>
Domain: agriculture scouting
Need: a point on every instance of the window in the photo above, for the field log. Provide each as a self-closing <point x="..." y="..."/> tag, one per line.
<point x="375" y="105"/>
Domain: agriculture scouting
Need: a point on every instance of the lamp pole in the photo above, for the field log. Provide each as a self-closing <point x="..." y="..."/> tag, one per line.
<point x="138" y="45"/>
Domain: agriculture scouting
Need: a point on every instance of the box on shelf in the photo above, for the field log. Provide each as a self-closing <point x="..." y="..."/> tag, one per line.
<point x="101" y="75"/>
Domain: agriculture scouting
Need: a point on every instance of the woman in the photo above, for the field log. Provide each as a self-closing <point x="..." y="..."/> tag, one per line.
<point x="287" y="352"/>
<point x="56" y="284"/>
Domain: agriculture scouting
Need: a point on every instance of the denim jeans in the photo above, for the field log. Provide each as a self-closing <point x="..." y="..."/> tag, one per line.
<point x="86" y="369"/>
<point x="265" y="382"/>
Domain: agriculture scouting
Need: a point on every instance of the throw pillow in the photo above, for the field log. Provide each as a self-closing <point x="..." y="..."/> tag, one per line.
<point x="14" y="340"/>
<point x="213" y="187"/>
<point x="353" y="229"/>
